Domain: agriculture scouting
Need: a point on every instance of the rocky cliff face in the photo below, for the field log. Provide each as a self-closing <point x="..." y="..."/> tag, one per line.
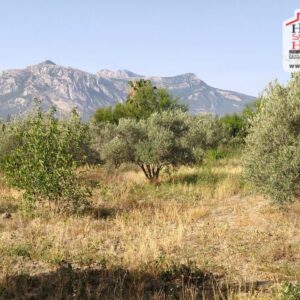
<point x="67" y="88"/>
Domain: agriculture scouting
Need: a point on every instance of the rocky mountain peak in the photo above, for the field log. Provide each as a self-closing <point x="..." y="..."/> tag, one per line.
<point x="66" y="88"/>
<point x="47" y="62"/>
<point x="121" y="74"/>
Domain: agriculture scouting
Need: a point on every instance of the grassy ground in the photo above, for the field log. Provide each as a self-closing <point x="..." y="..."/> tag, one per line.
<point x="199" y="233"/>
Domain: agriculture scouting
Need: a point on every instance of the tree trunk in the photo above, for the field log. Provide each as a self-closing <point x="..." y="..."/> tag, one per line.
<point x="151" y="172"/>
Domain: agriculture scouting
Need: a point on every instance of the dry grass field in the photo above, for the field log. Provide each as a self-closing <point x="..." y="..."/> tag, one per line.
<point x="198" y="234"/>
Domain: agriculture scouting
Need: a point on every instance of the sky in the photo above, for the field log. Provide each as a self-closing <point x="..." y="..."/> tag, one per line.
<point x="229" y="44"/>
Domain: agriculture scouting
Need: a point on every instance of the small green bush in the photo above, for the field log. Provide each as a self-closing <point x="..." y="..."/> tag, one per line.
<point x="237" y="125"/>
<point x="41" y="159"/>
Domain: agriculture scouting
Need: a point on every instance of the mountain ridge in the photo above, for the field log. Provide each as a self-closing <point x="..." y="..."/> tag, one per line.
<point x="68" y="87"/>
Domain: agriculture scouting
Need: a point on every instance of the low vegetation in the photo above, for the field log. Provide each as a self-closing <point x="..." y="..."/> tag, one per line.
<point x="148" y="202"/>
<point x="199" y="231"/>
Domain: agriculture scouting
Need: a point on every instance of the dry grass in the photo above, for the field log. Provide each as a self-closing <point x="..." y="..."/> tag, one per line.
<point x="203" y="218"/>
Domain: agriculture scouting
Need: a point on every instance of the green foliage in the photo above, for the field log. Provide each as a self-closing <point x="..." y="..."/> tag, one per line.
<point x="290" y="291"/>
<point x="79" y="138"/>
<point x="105" y="114"/>
<point x="206" y="131"/>
<point x="17" y="250"/>
<point x="223" y="151"/>
<point x="143" y="100"/>
<point x="167" y="138"/>
<point x="237" y="125"/>
<point x="42" y="156"/>
<point x="251" y="110"/>
<point x="272" y="154"/>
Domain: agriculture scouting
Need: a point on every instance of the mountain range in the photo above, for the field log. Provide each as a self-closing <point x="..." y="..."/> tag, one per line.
<point x="67" y="87"/>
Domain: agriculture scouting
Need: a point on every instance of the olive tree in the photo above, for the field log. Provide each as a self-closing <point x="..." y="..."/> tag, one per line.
<point x="167" y="138"/>
<point x="272" y="153"/>
<point x="39" y="155"/>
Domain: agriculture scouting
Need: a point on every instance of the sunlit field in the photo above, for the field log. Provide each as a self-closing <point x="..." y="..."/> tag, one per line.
<point x="200" y="233"/>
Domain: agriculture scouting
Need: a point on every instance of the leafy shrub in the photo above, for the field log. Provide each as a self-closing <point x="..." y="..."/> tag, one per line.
<point x="237" y="124"/>
<point x="272" y="153"/>
<point x="167" y="138"/>
<point x="79" y="136"/>
<point x="42" y="156"/>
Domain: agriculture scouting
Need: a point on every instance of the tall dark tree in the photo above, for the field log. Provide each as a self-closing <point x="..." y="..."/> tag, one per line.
<point x="143" y="100"/>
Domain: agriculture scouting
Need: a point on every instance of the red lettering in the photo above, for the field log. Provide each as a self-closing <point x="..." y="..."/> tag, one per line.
<point x="296" y="45"/>
<point x="296" y="36"/>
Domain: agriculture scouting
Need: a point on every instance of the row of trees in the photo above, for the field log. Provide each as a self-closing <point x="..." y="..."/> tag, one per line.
<point x="40" y="154"/>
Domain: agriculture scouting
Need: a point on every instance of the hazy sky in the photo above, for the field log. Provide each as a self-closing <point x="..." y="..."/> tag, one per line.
<point x="231" y="44"/>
